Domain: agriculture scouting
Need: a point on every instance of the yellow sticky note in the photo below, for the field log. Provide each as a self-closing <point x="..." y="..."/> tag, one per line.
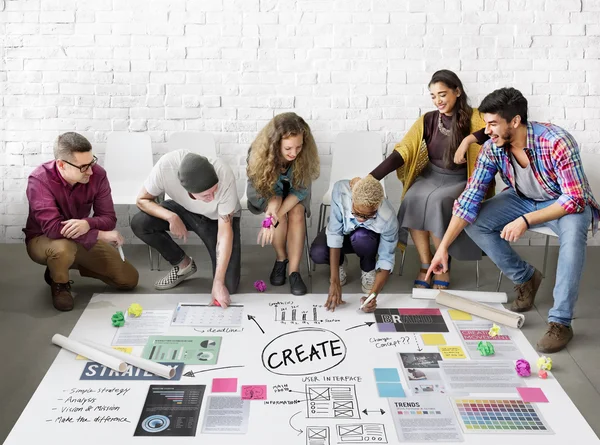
<point x="433" y="339"/>
<point x="451" y="352"/>
<point x="125" y="349"/>
<point x="459" y="315"/>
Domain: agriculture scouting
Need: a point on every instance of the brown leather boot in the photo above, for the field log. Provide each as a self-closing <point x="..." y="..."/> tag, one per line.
<point x="526" y="293"/>
<point x="61" y="296"/>
<point x="556" y="338"/>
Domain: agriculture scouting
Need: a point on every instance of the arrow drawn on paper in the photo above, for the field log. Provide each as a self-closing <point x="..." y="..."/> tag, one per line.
<point x="366" y="323"/>
<point x="419" y="348"/>
<point x="290" y="422"/>
<point x="193" y="373"/>
<point x="253" y="318"/>
<point x="373" y="411"/>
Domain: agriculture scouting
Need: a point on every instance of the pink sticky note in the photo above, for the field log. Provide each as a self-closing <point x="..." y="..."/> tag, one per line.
<point x="534" y="395"/>
<point x="224" y="385"/>
<point x="254" y="392"/>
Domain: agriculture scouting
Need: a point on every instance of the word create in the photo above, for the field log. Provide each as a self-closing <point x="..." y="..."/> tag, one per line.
<point x="330" y="348"/>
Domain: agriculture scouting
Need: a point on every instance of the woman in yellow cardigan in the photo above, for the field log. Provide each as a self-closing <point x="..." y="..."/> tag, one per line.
<point x="425" y="163"/>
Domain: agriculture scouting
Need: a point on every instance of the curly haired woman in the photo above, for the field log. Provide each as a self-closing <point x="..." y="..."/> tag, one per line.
<point x="429" y="162"/>
<point x="282" y="163"/>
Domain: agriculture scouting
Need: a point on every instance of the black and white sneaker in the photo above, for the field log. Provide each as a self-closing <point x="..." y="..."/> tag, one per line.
<point x="176" y="276"/>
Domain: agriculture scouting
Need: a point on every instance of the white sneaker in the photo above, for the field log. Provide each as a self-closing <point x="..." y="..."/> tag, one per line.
<point x="176" y="276"/>
<point x="343" y="276"/>
<point x="367" y="280"/>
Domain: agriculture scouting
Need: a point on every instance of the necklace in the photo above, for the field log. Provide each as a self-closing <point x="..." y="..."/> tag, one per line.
<point x="441" y="127"/>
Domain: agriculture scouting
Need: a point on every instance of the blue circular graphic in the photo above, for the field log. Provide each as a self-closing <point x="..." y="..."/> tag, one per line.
<point x="156" y="423"/>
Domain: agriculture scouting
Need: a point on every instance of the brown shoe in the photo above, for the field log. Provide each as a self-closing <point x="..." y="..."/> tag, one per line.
<point x="556" y="338"/>
<point x="61" y="296"/>
<point x="526" y="293"/>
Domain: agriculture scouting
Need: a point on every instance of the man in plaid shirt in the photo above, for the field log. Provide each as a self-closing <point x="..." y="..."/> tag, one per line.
<point x="547" y="187"/>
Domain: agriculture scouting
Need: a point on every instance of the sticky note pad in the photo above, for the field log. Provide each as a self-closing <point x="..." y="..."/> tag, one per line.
<point x="535" y="395"/>
<point x="433" y="339"/>
<point x="254" y="392"/>
<point x="390" y="390"/>
<point x="224" y="385"/>
<point x="459" y="315"/>
<point x="386" y="375"/>
<point x="450" y="352"/>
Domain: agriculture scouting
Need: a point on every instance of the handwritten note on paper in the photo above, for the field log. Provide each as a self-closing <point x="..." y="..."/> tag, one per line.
<point x="254" y="392"/>
<point x="451" y="352"/>
<point x="91" y="405"/>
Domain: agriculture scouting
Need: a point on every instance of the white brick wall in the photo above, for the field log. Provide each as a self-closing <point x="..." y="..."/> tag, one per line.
<point x="226" y="66"/>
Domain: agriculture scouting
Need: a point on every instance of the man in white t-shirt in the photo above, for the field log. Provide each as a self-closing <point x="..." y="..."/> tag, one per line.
<point x="203" y="198"/>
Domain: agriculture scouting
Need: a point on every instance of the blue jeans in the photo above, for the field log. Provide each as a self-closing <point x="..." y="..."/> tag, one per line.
<point x="572" y="234"/>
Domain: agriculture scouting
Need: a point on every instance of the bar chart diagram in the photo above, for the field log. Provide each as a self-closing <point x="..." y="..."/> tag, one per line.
<point x="189" y="350"/>
<point x="298" y="314"/>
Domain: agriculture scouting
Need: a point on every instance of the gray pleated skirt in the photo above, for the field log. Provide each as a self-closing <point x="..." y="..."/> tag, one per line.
<point x="427" y="206"/>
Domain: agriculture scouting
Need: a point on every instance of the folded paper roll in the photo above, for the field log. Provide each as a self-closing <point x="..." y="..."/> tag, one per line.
<point x="496" y="315"/>
<point x="167" y="372"/>
<point x="110" y="361"/>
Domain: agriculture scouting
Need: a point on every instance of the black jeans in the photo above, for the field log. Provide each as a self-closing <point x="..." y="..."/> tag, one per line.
<point x="153" y="231"/>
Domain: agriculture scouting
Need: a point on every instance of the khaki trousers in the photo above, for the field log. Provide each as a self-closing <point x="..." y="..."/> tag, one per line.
<point x="102" y="261"/>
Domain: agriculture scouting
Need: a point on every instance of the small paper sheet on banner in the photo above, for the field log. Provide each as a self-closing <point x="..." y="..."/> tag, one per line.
<point x="451" y="352"/>
<point x="125" y="349"/>
<point x="459" y="315"/>
<point x="433" y="339"/>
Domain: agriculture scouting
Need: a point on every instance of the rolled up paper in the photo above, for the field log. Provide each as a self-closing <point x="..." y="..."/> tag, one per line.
<point x="108" y="360"/>
<point x="482" y="297"/>
<point x="167" y="372"/>
<point x="511" y="319"/>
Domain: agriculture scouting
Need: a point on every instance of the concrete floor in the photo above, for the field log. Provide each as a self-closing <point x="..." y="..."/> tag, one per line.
<point x="28" y="320"/>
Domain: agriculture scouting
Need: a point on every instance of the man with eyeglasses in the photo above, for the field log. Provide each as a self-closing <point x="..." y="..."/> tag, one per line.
<point x="60" y="233"/>
<point x="362" y="221"/>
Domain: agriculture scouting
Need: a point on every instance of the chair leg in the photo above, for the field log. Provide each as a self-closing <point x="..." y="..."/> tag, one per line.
<point x="402" y="262"/>
<point x="545" y="256"/>
<point x="499" y="282"/>
<point x="158" y="262"/>
<point x="307" y="247"/>
<point x="150" y="259"/>
<point x="477" y="274"/>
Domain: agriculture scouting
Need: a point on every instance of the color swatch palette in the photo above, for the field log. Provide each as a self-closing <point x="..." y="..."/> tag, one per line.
<point x="500" y="416"/>
<point x="416" y="412"/>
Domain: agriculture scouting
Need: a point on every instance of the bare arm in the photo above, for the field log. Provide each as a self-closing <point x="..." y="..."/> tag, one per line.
<point x="224" y="246"/>
<point x="147" y="204"/>
<point x="439" y="264"/>
<point x="288" y="204"/>
<point x="381" y="278"/>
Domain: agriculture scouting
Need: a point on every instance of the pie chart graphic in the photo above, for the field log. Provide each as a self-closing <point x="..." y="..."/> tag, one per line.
<point x="208" y="344"/>
<point x="205" y="356"/>
<point x="156" y="423"/>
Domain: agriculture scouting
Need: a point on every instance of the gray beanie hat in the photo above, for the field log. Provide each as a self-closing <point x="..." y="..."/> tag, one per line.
<point x="197" y="174"/>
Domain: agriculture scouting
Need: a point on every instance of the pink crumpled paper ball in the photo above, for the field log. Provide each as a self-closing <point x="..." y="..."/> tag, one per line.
<point x="522" y="367"/>
<point x="267" y="222"/>
<point x="260" y="285"/>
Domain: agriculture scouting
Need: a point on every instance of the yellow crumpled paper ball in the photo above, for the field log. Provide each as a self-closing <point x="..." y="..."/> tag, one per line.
<point x="494" y="330"/>
<point x="135" y="310"/>
<point x="544" y="363"/>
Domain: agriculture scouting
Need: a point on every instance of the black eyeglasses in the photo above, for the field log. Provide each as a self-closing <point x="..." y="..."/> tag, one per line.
<point x="363" y="216"/>
<point x="85" y="167"/>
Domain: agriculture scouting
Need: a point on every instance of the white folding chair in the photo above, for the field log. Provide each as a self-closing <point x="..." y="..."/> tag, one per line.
<point x="128" y="162"/>
<point x="353" y="154"/>
<point x="201" y="143"/>
<point x="591" y="163"/>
